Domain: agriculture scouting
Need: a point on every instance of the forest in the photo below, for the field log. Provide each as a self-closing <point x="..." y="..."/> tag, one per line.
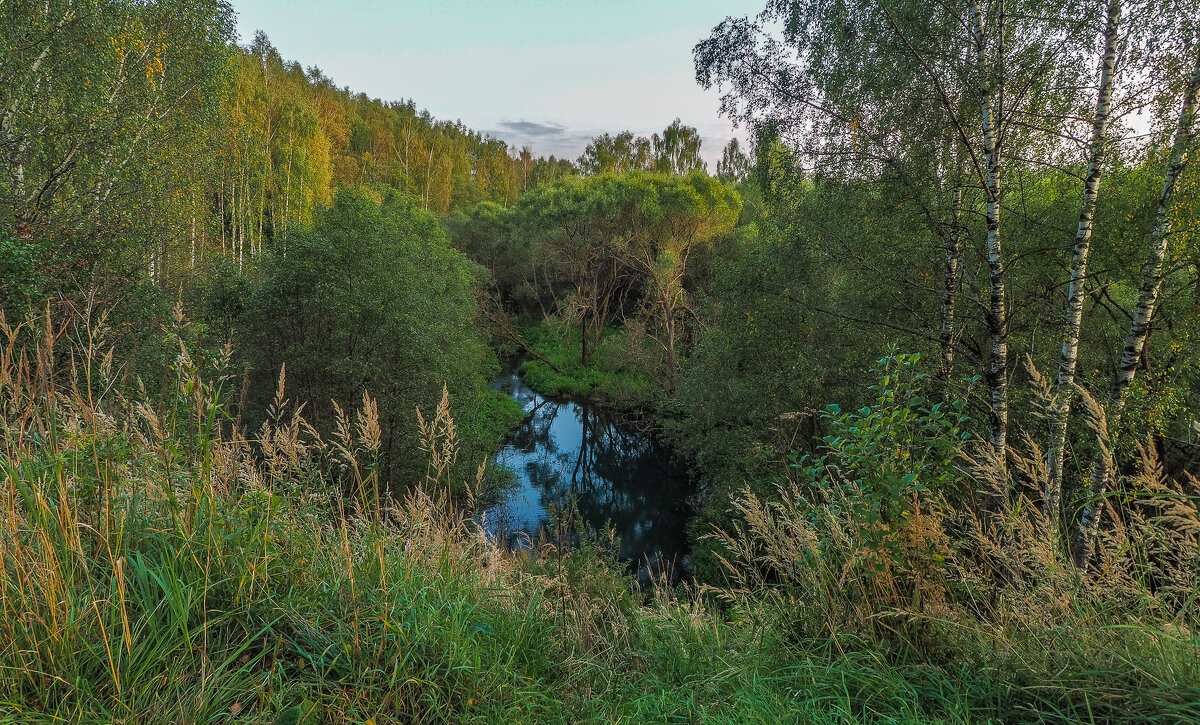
<point x="925" y="341"/>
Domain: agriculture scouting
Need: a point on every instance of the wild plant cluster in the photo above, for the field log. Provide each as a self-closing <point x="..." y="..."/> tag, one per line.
<point x="903" y="533"/>
<point x="159" y="563"/>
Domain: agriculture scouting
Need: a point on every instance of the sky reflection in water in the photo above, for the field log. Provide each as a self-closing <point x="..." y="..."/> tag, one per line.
<point x="616" y="476"/>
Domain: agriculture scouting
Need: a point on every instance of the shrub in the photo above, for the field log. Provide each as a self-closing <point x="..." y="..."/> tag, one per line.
<point x="373" y="298"/>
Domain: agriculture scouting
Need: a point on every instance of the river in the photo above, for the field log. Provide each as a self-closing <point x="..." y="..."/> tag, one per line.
<point x="569" y="450"/>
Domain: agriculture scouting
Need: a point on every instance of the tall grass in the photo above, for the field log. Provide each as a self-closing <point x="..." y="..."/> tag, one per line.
<point x="964" y="570"/>
<point x="160" y="565"/>
<point x="156" y="565"/>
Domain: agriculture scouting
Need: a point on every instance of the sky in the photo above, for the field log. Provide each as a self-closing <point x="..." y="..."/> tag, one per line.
<point x="550" y="74"/>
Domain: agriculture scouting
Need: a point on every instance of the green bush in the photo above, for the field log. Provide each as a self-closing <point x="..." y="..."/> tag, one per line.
<point x="21" y="282"/>
<point x="373" y="298"/>
<point x="900" y="449"/>
<point x="606" y="378"/>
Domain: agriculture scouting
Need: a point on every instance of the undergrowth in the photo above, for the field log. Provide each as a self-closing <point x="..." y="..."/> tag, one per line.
<point x="160" y="565"/>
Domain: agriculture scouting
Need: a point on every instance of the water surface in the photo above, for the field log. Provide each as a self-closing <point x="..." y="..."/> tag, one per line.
<point x="571" y="451"/>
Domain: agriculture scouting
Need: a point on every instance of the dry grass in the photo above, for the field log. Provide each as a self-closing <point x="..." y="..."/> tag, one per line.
<point x="1006" y="558"/>
<point x="974" y="573"/>
<point x="157" y="564"/>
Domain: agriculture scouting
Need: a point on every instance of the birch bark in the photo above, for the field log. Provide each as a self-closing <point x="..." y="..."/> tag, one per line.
<point x="1139" y="328"/>
<point x="1060" y="412"/>
<point x="997" y="318"/>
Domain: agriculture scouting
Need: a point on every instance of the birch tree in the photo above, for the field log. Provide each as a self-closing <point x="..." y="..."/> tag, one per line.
<point x="1153" y="274"/>
<point x="677" y="150"/>
<point x="90" y="92"/>
<point x="734" y="165"/>
<point x="1061" y="407"/>
<point x="922" y="90"/>
<point x="618" y="154"/>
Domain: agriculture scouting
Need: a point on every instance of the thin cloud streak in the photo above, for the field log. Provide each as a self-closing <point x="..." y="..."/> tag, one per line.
<point x="532" y="128"/>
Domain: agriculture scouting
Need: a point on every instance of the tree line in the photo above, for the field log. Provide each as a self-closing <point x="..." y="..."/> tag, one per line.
<point x="977" y="126"/>
<point x="142" y="133"/>
<point x="151" y="162"/>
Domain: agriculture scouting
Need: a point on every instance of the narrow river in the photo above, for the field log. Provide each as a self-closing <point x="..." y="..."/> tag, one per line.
<point x="569" y="451"/>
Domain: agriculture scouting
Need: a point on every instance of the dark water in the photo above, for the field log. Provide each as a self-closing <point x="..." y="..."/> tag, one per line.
<point x="568" y="451"/>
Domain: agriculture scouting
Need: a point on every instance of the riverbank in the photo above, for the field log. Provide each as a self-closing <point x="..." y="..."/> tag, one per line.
<point x="612" y="377"/>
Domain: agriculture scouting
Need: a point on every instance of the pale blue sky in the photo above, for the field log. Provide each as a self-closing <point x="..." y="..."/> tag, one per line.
<point x="548" y="73"/>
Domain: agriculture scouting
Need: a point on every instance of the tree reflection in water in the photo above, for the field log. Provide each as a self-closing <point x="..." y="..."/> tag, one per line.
<point x="567" y="452"/>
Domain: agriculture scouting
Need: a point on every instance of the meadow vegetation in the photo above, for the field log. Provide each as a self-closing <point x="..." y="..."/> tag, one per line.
<point x="928" y="346"/>
<point x="158" y="566"/>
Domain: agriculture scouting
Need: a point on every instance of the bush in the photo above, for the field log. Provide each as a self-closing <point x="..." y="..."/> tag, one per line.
<point x="611" y="377"/>
<point x="374" y="298"/>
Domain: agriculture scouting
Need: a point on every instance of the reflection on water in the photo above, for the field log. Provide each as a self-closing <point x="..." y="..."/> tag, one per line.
<point x="616" y="476"/>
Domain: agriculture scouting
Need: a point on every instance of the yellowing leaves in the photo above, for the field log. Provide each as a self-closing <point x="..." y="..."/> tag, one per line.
<point x="154" y="68"/>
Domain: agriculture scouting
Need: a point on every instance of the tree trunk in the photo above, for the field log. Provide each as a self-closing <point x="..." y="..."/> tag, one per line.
<point x="236" y="219"/>
<point x="946" y="338"/>
<point x="1060" y="412"/>
<point x="997" y="316"/>
<point x="583" y="338"/>
<point x="493" y="311"/>
<point x="221" y="205"/>
<point x="671" y="363"/>
<point x="428" y="176"/>
<point x="262" y="211"/>
<point x="1139" y="328"/>
<point x="287" y="190"/>
<point x="243" y="218"/>
<point x="163" y="259"/>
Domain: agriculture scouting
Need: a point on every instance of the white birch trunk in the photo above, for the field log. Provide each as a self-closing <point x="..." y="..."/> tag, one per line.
<point x="997" y="322"/>
<point x="1060" y="412"/>
<point x="428" y="176"/>
<point x="950" y="286"/>
<point x="221" y="211"/>
<point x="1139" y="328"/>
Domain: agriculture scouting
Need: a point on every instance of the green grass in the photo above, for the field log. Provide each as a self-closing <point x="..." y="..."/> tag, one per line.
<point x="155" y="569"/>
<point x="610" y="377"/>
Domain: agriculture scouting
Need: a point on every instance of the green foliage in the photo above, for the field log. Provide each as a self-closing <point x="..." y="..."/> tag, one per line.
<point x="373" y="298"/>
<point x="604" y="249"/>
<point x="620" y="154"/>
<point x="675" y="151"/>
<point x="892" y="460"/>
<point x="606" y="378"/>
<point x="486" y="235"/>
<point x="21" y="280"/>
<point x="734" y="165"/>
<point x="106" y="109"/>
<point x="769" y="352"/>
<point x="900" y="448"/>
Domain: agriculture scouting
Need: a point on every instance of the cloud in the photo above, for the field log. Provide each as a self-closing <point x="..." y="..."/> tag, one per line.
<point x="568" y="141"/>
<point x="532" y="128"/>
<point x="545" y="138"/>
